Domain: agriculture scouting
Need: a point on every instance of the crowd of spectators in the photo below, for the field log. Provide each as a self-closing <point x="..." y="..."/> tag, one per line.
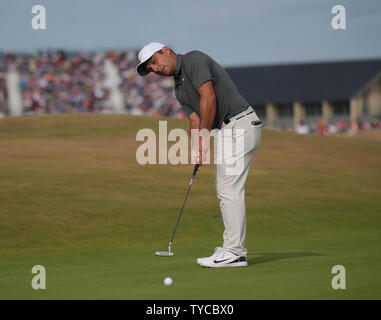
<point x="56" y="81"/>
<point x="3" y="86"/>
<point x="151" y="95"/>
<point x="341" y="126"/>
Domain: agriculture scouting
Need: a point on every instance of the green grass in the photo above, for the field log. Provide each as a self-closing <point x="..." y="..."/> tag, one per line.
<point x="74" y="199"/>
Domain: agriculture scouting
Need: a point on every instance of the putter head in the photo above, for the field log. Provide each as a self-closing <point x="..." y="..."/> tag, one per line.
<point x="164" y="253"/>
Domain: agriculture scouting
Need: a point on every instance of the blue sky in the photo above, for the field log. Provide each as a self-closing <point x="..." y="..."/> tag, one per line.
<point x="234" y="33"/>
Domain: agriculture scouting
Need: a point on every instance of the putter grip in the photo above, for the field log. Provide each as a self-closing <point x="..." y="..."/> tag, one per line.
<point x="195" y="169"/>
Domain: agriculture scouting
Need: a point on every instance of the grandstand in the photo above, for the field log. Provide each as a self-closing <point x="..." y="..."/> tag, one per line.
<point x="284" y="96"/>
<point x="3" y="87"/>
<point x="56" y="81"/>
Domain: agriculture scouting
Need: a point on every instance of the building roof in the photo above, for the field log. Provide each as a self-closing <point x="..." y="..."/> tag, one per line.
<point x="305" y="81"/>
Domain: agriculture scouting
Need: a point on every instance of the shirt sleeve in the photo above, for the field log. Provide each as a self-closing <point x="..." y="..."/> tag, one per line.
<point x="198" y="69"/>
<point x="188" y="111"/>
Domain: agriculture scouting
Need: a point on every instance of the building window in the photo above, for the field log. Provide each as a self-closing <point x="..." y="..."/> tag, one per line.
<point x="313" y="109"/>
<point x="340" y="107"/>
<point x="285" y="109"/>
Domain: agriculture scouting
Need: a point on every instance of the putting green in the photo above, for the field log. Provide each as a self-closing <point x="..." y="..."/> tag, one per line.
<point x="74" y="199"/>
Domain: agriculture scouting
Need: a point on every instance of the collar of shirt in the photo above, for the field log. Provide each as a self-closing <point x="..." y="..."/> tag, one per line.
<point x="179" y="60"/>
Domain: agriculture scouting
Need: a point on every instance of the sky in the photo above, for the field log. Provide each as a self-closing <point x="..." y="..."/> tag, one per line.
<point x="235" y="33"/>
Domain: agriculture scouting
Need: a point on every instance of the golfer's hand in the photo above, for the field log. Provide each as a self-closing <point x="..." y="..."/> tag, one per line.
<point x="204" y="146"/>
<point x="198" y="157"/>
<point x="200" y="146"/>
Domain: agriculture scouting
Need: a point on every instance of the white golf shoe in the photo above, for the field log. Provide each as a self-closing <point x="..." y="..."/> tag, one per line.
<point x="216" y="252"/>
<point x="223" y="259"/>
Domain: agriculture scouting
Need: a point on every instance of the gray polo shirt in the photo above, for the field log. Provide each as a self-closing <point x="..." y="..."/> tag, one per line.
<point x="193" y="70"/>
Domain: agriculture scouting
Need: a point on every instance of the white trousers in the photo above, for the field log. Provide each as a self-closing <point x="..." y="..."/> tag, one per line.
<point x="235" y="144"/>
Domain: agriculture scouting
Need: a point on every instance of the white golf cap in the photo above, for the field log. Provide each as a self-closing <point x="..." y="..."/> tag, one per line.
<point x="147" y="52"/>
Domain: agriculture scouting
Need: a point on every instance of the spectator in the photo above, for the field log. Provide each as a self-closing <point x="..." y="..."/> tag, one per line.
<point x="302" y="128"/>
<point x="341" y="126"/>
<point x="321" y="129"/>
<point x="332" y="129"/>
<point x="353" y="128"/>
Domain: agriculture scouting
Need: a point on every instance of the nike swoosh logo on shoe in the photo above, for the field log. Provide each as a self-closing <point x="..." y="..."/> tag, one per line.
<point x="215" y="261"/>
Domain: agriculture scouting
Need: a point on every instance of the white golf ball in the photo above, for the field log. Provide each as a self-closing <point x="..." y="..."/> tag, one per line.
<point x="168" y="281"/>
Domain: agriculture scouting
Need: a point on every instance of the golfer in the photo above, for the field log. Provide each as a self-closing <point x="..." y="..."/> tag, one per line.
<point x="211" y="101"/>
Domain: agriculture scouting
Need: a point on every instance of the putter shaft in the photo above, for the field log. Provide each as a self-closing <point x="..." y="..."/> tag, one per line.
<point x="181" y="211"/>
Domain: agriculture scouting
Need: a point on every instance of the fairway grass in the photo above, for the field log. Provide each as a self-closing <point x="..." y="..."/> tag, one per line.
<point x="74" y="199"/>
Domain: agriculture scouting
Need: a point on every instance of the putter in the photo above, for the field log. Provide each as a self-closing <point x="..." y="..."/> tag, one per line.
<point x="169" y="253"/>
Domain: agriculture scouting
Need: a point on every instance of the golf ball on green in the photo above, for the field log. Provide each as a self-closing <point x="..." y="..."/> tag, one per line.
<point x="168" y="281"/>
